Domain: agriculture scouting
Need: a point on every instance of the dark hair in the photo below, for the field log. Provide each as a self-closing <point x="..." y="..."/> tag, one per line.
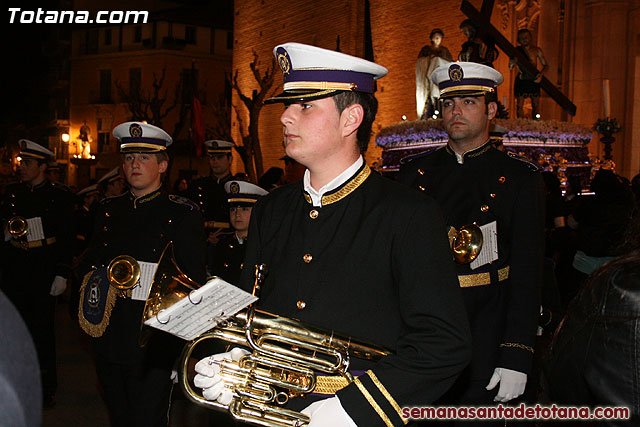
<point x="369" y="104"/>
<point x="469" y="23"/>
<point x="436" y="31"/>
<point x="523" y="31"/>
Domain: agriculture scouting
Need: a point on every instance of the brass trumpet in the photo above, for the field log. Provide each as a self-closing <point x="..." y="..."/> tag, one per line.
<point x="285" y="354"/>
<point x="17" y="227"/>
<point x="466" y="243"/>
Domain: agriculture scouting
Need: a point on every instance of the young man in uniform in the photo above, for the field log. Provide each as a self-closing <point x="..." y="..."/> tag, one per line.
<point x="229" y="254"/>
<point x="475" y="183"/>
<point x="353" y="252"/>
<point x="37" y="252"/>
<point x="139" y="223"/>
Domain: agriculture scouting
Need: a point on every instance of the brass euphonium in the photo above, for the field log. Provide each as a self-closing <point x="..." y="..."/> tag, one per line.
<point x="123" y="272"/>
<point x="17" y="227"/>
<point x="285" y="355"/>
<point x="466" y="243"/>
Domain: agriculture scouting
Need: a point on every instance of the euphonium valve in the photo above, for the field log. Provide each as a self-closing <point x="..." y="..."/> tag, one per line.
<point x="466" y="243"/>
<point x="284" y="358"/>
<point x="123" y="272"/>
<point x="17" y="227"/>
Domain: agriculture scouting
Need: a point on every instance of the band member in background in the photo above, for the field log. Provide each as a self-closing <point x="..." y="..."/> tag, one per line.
<point x="112" y="184"/>
<point x="351" y="251"/>
<point x="38" y="222"/>
<point x="229" y="254"/>
<point x="139" y="223"/>
<point x="475" y="183"/>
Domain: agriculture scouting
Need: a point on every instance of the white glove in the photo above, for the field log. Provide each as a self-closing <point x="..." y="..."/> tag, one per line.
<point x="512" y="384"/>
<point x="212" y="385"/>
<point x="58" y="286"/>
<point x="328" y="413"/>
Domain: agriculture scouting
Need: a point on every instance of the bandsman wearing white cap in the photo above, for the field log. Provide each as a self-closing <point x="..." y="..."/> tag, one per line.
<point x="38" y="240"/>
<point x="475" y="183"/>
<point x="111" y="184"/>
<point x="350" y="251"/>
<point x="139" y="223"/>
<point x="228" y="258"/>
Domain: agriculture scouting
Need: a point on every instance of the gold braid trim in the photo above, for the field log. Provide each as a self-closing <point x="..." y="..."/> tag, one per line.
<point x="329" y="385"/>
<point x="90" y="328"/>
<point x="348" y="188"/>
<point x="373" y="403"/>
<point x="516" y="345"/>
<point x="386" y="394"/>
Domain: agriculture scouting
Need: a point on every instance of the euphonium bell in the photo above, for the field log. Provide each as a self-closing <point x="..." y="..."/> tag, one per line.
<point x="466" y="243"/>
<point x="17" y="227"/>
<point x="123" y="272"/>
<point x="285" y="353"/>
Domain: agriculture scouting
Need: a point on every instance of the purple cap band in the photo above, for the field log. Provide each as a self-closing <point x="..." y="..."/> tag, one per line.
<point x="363" y="81"/>
<point x="156" y="141"/>
<point x="466" y="82"/>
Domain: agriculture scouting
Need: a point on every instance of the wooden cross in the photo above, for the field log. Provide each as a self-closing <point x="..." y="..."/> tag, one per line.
<point x="482" y="19"/>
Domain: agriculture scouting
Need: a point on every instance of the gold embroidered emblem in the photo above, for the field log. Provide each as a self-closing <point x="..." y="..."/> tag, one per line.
<point x="135" y="130"/>
<point x="455" y="72"/>
<point x="283" y="61"/>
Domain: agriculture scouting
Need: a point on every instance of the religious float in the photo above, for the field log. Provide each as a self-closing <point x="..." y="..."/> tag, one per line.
<point x="557" y="146"/>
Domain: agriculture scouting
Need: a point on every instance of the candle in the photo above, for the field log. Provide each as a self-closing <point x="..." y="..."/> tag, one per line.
<point x="607" y="100"/>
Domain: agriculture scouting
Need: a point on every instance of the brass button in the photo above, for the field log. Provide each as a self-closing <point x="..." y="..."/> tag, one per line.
<point x="104" y="228"/>
<point x="230" y="245"/>
<point x="13" y="195"/>
<point x="502" y="179"/>
<point x="313" y="214"/>
<point x="241" y="265"/>
<point x="161" y="235"/>
<point x="199" y="195"/>
<point x="307" y="258"/>
<point x="104" y="244"/>
<point x="421" y="188"/>
<point x="170" y="221"/>
<point x="154" y="250"/>
<point x="492" y="195"/>
<point x="484" y="208"/>
<point x="13" y="205"/>
<point x="107" y="214"/>
<point x="225" y="265"/>
<point x="301" y="305"/>
<point x="420" y="171"/>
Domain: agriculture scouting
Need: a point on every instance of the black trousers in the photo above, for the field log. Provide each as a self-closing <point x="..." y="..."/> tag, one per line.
<point x="136" y="395"/>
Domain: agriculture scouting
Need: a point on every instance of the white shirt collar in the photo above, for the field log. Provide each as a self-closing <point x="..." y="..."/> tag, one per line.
<point x="316" y="196"/>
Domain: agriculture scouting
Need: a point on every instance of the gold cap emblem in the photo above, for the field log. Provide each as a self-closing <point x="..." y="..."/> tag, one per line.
<point x="135" y="130"/>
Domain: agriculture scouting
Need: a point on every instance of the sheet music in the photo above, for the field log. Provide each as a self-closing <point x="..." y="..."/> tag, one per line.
<point x="141" y="291"/>
<point x="489" y="251"/>
<point x="202" y="310"/>
<point x="34" y="229"/>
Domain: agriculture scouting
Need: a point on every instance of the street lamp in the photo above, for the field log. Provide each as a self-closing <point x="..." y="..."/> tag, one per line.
<point x="65" y="137"/>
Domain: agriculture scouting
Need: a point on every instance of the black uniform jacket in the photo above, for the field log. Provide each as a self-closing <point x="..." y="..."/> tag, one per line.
<point x="141" y="227"/>
<point x="208" y="193"/>
<point x="228" y="259"/>
<point x="491" y="185"/>
<point x="55" y="207"/>
<point x="372" y="263"/>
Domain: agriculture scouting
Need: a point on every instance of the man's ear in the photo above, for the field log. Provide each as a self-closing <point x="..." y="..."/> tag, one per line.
<point x="162" y="166"/>
<point x="352" y="118"/>
<point x="492" y="110"/>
